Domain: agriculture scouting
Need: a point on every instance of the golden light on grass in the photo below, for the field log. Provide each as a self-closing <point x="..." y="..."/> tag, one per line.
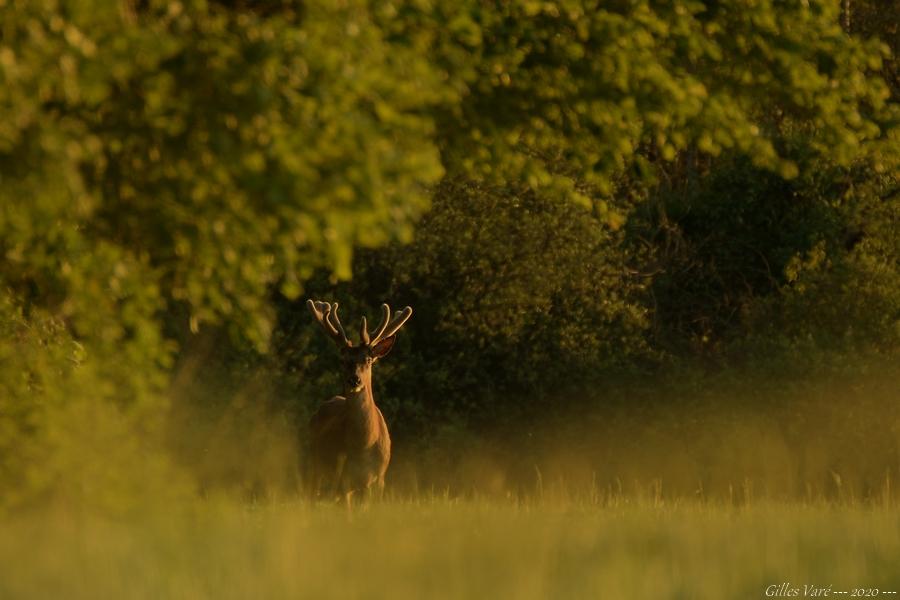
<point x="439" y="548"/>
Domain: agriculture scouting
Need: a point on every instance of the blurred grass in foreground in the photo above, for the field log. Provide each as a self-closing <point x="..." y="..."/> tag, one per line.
<point x="439" y="548"/>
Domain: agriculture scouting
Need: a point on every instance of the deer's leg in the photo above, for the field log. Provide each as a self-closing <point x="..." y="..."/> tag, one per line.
<point x="357" y="479"/>
<point x="379" y="488"/>
<point x="324" y="477"/>
<point x="373" y="484"/>
<point x="348" y="485"/>
<point x="373" y="491"/>
<point x="311" y="479"/>
<point x="347" y="500"/>
<point x="339" y="475"/>
<point x="311" y="474"/>
<point x="323" y="484"/>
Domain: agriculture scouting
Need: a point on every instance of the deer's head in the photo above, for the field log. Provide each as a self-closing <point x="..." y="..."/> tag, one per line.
<point x="357" y="359"/>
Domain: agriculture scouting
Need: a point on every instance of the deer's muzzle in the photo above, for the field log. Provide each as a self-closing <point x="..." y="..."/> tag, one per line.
<point x="354" y="383"/>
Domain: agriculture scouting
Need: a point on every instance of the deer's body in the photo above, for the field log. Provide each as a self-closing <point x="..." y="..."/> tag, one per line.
<point x="350" y="447"/>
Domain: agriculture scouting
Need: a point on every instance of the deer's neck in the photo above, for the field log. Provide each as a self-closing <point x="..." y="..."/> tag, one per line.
<point x="364" y="416"/>
<point x="363" y="399"/>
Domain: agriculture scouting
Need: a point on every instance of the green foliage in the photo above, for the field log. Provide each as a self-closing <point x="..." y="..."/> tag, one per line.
<point x="206" y="153"/>
<point x="842" y="295"/>
<point x="880" y="20"/>
<point x="576" y="91"/>
<point x="749" y="261"/>
<point x="184" y="158"/>
<point x="169" y="168"/>
<point x="514" y="296"/>
<point x="67" y="433"/>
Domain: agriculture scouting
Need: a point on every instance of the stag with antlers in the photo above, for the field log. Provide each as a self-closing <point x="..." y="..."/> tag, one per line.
<point x="350" y="445"/>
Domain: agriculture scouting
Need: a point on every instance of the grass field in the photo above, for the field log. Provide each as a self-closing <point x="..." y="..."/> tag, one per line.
<point x="441" y="548"/>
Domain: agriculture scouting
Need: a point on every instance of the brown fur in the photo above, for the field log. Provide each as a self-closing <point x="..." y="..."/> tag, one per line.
<point x="350" y="445"/>
<point x="351" y="448"/>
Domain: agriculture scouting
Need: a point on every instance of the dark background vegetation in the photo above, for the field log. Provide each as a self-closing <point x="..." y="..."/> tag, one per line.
<point x="649" y="245"/>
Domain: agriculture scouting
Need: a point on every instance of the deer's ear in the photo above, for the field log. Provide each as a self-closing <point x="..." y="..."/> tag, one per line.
<point x="382" y="348"/>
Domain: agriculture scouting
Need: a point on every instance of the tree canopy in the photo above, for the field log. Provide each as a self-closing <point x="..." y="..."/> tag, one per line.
<point x="598" y="172"/>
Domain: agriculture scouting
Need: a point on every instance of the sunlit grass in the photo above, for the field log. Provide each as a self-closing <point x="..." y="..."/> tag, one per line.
<point x="447" y="549"/>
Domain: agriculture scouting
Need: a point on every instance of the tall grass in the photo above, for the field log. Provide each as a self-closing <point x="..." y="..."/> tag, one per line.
<point x="730" y="437"/>
<point x="441" y="548"/>
<point x="714" y="489"/>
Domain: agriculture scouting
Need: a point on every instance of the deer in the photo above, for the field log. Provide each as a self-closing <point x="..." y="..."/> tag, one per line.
<point x="350" y="447"/>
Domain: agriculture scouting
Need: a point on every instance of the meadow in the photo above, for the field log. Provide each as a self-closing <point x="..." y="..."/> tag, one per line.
<point x="639" y="501"/>
<point x="438" y="547"/>
<point x="647" y="260"/>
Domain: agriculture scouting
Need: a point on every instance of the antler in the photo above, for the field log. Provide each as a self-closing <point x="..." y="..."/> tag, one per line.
<point x="327" y="316"/>
<point x="389" y="326"/>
